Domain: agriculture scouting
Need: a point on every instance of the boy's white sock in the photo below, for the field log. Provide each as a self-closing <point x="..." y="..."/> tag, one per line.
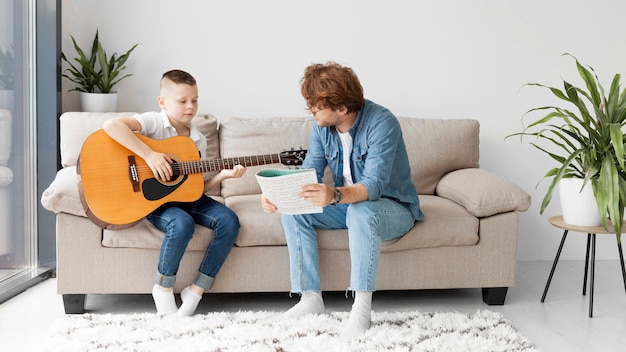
<point x="164" y="300"/>
<point x="190" y="302"/>
<point x="360" y="315"/>
<point x="310" y="303"/>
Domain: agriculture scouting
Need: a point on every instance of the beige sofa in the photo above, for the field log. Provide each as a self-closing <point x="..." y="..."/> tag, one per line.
<point x="468" y="238"/>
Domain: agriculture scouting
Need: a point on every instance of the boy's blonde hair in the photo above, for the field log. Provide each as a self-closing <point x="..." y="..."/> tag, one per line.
<point x="176" y="77"/>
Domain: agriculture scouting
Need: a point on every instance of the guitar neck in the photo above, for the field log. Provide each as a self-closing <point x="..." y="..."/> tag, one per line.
<point x="208" y="165"/>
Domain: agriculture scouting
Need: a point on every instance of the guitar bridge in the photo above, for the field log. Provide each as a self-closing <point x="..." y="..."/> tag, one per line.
<point x="133" y="175"/>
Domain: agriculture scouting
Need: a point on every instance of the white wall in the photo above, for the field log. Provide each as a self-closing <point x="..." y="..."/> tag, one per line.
<point x="428" y="59"/>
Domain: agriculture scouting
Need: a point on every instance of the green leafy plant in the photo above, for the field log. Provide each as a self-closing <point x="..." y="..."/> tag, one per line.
<point x="95" y="73"/>
<point x="7" y="70"/>
<point x="586" y="139"/>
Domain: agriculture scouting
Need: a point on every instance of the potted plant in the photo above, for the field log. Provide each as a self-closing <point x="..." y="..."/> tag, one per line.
<point x="96" y="73"/>
<point x="585" y="138"/>
<point x="7" y="79"/>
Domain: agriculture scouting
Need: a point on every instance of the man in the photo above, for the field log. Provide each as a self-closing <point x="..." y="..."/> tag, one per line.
<point x="373" y="195"/>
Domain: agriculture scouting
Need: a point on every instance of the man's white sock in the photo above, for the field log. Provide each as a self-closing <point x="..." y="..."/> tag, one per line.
<point x="190" y="302"/>
<point x="164" y="300"/>
<point x="360" y="315"/>
<point x="310" y="303"/>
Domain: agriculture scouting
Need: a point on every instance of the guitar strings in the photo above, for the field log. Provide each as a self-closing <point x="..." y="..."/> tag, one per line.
<point x="196" y="166"/>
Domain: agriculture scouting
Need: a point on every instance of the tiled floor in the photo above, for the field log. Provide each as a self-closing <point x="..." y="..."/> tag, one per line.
<point x="559" y="324"/>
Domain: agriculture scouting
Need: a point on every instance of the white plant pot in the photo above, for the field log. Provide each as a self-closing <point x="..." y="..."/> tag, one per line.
<point x="578" y="207"/>
<point x="98" y="102"/>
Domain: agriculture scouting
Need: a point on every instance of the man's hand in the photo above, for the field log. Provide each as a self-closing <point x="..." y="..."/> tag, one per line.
<point x="268" y="207"/>
<point x="318" y="194"/>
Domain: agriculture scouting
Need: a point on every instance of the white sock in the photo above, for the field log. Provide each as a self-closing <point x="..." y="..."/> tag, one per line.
<point x="190" y="302"/>
<point x="163" y="300"/>
<point x="310" y="303"/>
<point x="360" y="315"/>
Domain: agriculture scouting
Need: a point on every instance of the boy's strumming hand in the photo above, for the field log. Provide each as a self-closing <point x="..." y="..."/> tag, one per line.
<point x="160" y="164"/>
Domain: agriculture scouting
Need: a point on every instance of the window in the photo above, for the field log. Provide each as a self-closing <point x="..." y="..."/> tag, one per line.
<point x="27" y="88"/>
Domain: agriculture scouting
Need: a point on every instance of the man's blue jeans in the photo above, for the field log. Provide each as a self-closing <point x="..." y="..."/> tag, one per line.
<point x="368" y="224"/>
<point x="177" y="220"/>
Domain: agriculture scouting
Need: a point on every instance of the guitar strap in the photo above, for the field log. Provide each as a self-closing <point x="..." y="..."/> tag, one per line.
<point x="90" y="215"/>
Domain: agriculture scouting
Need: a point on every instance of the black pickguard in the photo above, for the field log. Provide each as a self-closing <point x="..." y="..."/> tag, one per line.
<point x="155" y="190"/>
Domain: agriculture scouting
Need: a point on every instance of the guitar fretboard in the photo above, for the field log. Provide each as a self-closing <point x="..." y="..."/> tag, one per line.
<point x="206" y="165"/>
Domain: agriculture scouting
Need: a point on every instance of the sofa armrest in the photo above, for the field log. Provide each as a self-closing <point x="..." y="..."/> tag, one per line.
<point x="482" y="192"/>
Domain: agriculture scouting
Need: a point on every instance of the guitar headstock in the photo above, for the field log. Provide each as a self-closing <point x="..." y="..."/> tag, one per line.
<point x="292" y="157"/>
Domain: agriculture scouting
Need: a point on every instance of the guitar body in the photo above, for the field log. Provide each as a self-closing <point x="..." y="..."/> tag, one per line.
<point x="118" y="186"/>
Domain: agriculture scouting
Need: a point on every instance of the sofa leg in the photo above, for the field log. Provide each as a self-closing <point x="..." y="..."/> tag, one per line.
<point x="494" y="296"/>
<point x="74" y="304"/>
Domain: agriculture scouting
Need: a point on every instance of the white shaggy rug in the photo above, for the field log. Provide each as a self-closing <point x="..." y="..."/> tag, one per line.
<point x="266" y="331"/>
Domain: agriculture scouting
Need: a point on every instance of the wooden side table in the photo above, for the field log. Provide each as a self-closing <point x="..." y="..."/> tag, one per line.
<point x="591" y="231"/>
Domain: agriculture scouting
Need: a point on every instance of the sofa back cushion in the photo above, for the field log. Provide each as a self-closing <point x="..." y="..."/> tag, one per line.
<point x="249" y="137"/>
<point x="437" y="146"/>
<point x="75" y="127"/>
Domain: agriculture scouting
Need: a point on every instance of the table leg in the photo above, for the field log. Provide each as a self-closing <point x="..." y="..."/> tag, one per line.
<point x="593" y="269"/>
<point x="586" y="264"/>
<point x="556" y="260"/>
<point x="621" y="259"/>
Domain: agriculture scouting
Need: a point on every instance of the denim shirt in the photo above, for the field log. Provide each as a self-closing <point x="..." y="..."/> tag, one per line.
<point x="378" y="159"/>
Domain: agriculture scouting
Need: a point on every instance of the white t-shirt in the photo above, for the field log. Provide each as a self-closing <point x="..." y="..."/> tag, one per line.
<point x="156" y="125"/>
<point x="346" y="144"/>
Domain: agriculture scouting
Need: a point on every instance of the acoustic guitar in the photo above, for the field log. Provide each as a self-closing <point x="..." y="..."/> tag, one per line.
<point x="118" y="188"/>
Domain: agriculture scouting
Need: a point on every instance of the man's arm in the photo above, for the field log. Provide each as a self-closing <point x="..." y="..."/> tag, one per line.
<point x="321" y="195"/>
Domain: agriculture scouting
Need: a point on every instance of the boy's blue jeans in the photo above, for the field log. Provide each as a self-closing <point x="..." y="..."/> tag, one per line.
<point x="178" y="220"/>
<point x="368" y="224"/>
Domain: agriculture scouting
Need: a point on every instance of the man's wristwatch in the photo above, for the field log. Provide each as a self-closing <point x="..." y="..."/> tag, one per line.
<point x="337" y="196"/>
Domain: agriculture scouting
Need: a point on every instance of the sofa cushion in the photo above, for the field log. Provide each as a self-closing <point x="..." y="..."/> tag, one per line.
<point x="488" y="194"/>
<point x="75" y="127"/>
<point x="436" y="147"/>
<point x="208" y="125"/>
<point x="145" y="235"/>
<point x="249" y="137"/>
<point x="445" y="224"/>
<point x="258" y="228"/>
<point x="62" y="194"/>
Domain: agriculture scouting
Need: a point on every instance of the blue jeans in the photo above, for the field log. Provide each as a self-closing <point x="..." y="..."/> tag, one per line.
<point x="178" y="220"/>
<point x="368" y="224"/>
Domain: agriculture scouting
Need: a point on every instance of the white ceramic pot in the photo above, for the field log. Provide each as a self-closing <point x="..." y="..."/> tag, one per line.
<point x="578" y="207"/>
<point x="98" y="102"/>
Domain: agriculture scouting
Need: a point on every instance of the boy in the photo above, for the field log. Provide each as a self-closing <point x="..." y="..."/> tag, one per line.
<point x="178" y="101"/>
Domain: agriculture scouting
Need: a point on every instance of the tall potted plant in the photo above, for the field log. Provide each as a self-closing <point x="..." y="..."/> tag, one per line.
<point x="96" y="74"/>
<point x="585" y="138"/>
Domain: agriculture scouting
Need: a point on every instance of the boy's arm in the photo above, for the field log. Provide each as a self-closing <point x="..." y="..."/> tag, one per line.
<point x="122" y="130"/>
